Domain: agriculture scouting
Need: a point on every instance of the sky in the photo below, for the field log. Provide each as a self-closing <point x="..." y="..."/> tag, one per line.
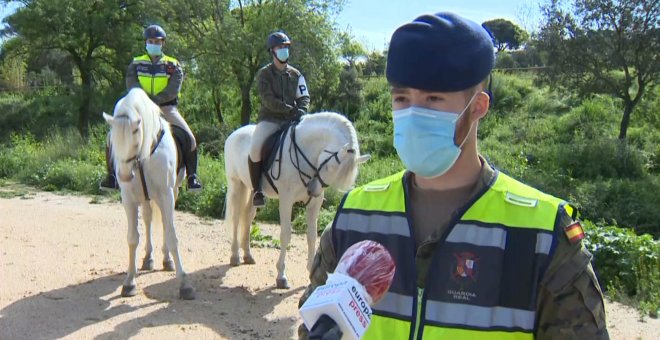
<point x="372" y="22"/>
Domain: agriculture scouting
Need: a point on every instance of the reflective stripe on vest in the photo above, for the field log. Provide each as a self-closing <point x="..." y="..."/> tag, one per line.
<point x="484" y="277"/>
<point x="153" y="77"/>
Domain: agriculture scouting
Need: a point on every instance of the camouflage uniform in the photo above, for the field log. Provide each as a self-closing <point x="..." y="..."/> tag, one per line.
<point x="570" y="304"/>
<point x="281" y="93"/>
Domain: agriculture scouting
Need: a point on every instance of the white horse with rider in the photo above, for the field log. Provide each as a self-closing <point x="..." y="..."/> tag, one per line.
<point x="321" y="150"/>
<point x="145" y="157"/>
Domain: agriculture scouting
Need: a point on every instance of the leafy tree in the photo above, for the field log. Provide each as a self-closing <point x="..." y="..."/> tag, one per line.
<point x="375" y="64"/>
<point x="229" y="38"/>
<point x="350" y="49"/>
<point x="603" y="46"/>
<point x="349" y="99"/>
<point x="96" y="35"/>
<point x="507" y="34"/>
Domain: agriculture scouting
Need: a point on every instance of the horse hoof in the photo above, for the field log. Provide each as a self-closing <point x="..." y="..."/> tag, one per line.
<point x="147" y="264"/>
<point x="128" y="291"/>
<point x="248" y="260"/>
<point x="282" y="283"/>
<point x="168" y="266"/>
<point x="234" y="261"/>
<point x="187" y="293"/>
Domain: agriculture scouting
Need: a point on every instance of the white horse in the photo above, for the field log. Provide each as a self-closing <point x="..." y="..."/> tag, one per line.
<point x="145" y="158"/>
<point x="325" y="153"/>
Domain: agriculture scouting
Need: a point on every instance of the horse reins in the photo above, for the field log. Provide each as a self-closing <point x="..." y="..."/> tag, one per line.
<point x="138" y="162"/>
<point x="295" y="148"/>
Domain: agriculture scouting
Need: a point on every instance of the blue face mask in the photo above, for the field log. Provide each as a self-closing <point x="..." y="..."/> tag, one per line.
<point x="282" y="54"/>
<point x="424" y="139"/>
<point x="153" y="49"/>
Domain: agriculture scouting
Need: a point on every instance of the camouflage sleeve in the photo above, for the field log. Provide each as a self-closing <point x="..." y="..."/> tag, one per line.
<point x="325" y="262"/>
<point x="570" y="304"/>
<point x="267" y="97"/>
<point x="131" y="77"/>
<point x="171" y="92"/>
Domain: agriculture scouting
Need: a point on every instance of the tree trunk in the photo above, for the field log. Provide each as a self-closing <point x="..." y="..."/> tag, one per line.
<point x="246" y="105"/>
<point x="85" y="101"/>
<point x="217" y="103"/>
<point x="625" y="121"/>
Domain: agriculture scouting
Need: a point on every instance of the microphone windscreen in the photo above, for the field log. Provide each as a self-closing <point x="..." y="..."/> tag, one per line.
<point x="371" y="265"/>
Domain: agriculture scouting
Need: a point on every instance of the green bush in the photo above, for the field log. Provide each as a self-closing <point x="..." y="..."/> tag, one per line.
<point x="597" y="157"/>
<point x="626" y="263"/>
<point x="508" y="93"/>
<point x="211" y="201"/>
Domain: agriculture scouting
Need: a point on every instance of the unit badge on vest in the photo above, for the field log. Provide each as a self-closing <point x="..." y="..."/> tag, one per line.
<point x="466" y="267"/>
<point x="170" y="68"/>
<point x="463" y="272"/>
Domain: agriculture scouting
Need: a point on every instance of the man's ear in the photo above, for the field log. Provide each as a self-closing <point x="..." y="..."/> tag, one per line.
<point x="480" y="105"/>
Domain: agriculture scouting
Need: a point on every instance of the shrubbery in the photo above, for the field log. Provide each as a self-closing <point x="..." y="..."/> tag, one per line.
<point x="626" y="264"/>
<point x="558" y="143"/>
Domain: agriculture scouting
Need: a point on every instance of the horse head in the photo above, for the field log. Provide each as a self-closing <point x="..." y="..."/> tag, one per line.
<point x="339" y="160"/>
<point x="133" y="128"/>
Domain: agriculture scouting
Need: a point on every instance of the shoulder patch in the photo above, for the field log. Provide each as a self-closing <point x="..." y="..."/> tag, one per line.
<point x="574" y="232"/>
<point x="520" y="200"/>
<point x="376" y="187"/>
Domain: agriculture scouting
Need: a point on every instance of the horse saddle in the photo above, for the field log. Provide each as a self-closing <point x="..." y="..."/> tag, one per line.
<point x="271" y="154"/>
<point x="183" y="143"/>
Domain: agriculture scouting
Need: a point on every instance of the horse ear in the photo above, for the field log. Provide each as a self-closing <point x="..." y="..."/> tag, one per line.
<point x="363" y="159"/>
<point x="108" y="118"/>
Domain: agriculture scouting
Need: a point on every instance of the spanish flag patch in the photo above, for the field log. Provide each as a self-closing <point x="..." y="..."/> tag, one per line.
<point x="574" y="232"/>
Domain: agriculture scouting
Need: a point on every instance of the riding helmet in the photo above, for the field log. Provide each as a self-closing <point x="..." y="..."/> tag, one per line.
<point x="154" y="32"/>
<point x="276" y="39"/>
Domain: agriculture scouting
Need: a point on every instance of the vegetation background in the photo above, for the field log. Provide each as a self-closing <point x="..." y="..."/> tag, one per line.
<point x="576" y="109"/>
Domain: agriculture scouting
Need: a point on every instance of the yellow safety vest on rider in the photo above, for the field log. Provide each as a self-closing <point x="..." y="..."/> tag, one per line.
<point x="484" y="273"/>
<point x="153" y="77"/>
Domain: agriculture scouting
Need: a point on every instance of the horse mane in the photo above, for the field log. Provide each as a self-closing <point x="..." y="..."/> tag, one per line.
<point x="136" y="105"/>
<point x="333" y="122"/>
<point x="336" y="124"/>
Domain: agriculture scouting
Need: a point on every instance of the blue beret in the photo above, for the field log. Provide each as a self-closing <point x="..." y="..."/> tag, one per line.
<point x="441" y="52"/>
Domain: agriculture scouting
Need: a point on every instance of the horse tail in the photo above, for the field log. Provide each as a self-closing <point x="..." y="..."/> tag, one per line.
<point x="236" y="203"/>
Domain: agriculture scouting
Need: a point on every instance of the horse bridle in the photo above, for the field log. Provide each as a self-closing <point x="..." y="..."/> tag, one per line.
<point x="295" y="148"/>
<point x="139" y="162"/>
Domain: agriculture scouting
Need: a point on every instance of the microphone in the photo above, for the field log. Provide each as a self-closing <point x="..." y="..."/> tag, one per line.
<point x="341" y="309"/>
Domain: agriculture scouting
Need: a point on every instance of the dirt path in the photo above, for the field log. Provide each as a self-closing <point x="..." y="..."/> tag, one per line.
<point x="63" y="260"/>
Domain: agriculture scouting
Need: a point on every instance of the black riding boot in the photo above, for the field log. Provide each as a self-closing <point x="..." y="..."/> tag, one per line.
<point x="191" y="169"/>
<point x="258" y="200"/>
<point x="109" y="183"/>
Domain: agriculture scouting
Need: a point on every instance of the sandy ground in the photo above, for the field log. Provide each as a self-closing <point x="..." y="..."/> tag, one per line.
<point x="63" y="261"/>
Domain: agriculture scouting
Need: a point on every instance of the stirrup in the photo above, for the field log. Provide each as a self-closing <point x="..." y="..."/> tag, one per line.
<point x="258" y="200"/>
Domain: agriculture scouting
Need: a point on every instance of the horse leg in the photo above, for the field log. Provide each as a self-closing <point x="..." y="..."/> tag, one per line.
<point x="148" y="261"/>
<point x="166" y="205"/>
<point x="236" y="200"/>
<point x="129" y="287"/>
<point x="285" y="238"/>
<point x="312" y="212"/>
<point x="246" y="224"/>
<point x="168" y="264"/>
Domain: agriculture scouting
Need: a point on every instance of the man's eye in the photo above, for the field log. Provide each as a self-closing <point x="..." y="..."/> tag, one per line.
<point x="399" y="99"/>
<point x="434" y="98"/>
